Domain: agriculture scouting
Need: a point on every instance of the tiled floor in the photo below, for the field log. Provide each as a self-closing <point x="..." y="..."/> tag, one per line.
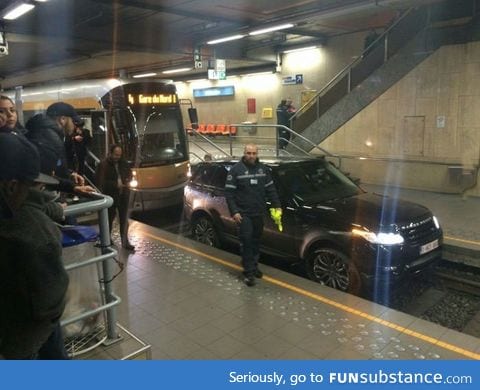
<point x="192" y="306"/>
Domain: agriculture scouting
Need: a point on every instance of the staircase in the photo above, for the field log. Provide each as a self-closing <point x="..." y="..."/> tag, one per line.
<point x="404" y="45"/>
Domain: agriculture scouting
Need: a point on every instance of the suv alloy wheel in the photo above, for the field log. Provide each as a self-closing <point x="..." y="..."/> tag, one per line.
<point x="333" y="269"/>
<point x="204" y="231"/>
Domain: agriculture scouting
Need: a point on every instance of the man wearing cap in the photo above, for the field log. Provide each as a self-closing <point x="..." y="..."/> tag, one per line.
<point x="48" y="133"/>
<point x="33" y="281"/>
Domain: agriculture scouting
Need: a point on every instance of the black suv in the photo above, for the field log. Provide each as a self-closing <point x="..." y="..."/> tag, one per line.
<point x="347" y="238"/>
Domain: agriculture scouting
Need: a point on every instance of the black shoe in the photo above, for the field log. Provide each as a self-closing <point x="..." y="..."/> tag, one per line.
<point x="258" y="274"/>
<point x="129" y="247"/>
<point x="249" y="280"/>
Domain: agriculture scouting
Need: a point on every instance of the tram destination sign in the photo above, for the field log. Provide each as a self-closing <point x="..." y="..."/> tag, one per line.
<point x="149" y="99"/>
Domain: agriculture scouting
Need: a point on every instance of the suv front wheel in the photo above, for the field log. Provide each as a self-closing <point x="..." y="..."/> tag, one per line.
<point x="204" y="231"/>
<point x="332" y="268"/>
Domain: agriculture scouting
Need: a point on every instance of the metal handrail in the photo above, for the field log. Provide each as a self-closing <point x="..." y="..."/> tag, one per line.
<point x="402" y="160"/>
<point x="306" y="140"/>
<point x="99" y="203"/>
<point x="347" y="69"/>
<point x="208" y="141"/>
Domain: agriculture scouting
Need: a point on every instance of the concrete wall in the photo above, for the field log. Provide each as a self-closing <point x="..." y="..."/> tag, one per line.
<point x="430" y="120"/>
<point x="318" y="66"/>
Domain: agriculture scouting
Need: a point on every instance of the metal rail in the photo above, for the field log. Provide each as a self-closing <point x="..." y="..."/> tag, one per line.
<point x="348" y="68"/>
<point x="294" y="134"/>
<point x="458" y="283"/>
<point x="99" y="203"/>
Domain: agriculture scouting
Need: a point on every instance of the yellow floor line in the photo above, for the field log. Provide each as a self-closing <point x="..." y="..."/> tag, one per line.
<point x="327" y="301"/>
<point x="461" y="240"/>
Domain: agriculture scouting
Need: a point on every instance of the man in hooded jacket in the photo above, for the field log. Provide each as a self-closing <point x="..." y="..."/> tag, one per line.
<point x="47" y="133"/>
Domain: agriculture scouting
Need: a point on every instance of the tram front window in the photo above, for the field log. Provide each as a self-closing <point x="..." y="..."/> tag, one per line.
<point x="162" y="141"/>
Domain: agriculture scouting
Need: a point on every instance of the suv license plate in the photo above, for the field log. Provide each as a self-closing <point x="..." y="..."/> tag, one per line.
<point x="428" y="247"/>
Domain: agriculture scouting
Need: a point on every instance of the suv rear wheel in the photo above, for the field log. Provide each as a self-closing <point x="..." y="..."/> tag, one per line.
<point x="332" y="268"/>
<point x="204" y="231"/>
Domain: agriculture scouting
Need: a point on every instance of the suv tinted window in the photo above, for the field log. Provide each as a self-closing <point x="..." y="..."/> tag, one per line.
<point x="315" y="181"/>
<point x="219" y="177"/>
<point x="203" y="174"/>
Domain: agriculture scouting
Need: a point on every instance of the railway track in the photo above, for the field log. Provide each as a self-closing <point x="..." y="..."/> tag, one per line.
<point x="458" y="283"/>
<point x="450" y="297"/>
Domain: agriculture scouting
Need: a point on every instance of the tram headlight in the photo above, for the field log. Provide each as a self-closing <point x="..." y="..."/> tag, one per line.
<point x="189" y="170"/>
<point x="133" y="182"/>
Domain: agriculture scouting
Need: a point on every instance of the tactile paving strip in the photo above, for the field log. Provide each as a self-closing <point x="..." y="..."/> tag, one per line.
<point x="365" y="338"/>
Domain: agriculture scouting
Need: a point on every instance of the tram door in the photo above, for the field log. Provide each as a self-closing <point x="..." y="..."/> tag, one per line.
<point x="97" y="150"/>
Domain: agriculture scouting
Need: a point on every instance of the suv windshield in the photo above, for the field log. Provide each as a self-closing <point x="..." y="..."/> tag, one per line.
<point x="314" y="181"/>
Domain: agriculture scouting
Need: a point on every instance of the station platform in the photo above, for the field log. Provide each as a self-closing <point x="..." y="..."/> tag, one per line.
<point x="188" y="301"/>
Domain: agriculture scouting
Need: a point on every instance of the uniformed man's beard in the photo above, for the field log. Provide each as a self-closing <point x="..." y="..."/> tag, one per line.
<point x="250" y="162"/>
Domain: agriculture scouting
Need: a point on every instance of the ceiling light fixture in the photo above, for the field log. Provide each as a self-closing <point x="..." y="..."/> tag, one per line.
<point x="299" y="49"/>
<point x="270" y="29"/>
<point x="269" y="72"/>
<point x="139" y="76"/>
<point x="16" y="10"/>
<point x="226" y="39"/>
<point x="176" y="70"/>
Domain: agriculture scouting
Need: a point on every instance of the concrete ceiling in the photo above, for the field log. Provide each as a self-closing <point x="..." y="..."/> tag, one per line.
<point x="66" y="39"/>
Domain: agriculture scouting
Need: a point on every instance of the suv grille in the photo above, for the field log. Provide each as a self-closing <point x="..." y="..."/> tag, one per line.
<point x="419" y="232"/>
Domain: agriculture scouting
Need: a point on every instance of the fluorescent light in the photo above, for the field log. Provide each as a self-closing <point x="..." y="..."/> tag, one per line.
<point x="300" y="49"/>
<point x="270" y="29"/>
<point x="226" y="39"/>
<point x="258" y="73"/>
<point x="176" y="70"/>
<point x="17" y="10"/>
<point x="41" y="1"/>
<point x="138" y="76"/>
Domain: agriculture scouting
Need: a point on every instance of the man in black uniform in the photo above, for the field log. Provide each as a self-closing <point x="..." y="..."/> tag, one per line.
<point x="248" y="185"/>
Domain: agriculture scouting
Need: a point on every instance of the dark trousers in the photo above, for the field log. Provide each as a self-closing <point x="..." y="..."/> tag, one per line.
<point x="251" y="230"/>
<point x="283" y="138"/>
<point x="54" y="347"/>
<point x="81" y="163"/>
<point x="120" y="203"/>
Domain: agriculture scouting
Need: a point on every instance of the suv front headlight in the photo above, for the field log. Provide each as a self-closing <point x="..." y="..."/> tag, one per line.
<point x="379" y="238"/>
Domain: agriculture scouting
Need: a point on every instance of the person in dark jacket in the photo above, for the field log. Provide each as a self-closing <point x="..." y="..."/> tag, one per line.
<point x="47" y="133"/>
<point x="112" y="177"/>
<point x="248" y="186"/>
<point x="33" y="280"/>
<point x="285" y="111"/>
<point x="76" y="146"/>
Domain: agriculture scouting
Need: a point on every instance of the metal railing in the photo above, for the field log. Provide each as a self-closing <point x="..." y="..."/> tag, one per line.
<point x="235" y="141"/>
<point x="407" y="26"/>
<point x="209" y="142"/>
<point x="99" y="203"/>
